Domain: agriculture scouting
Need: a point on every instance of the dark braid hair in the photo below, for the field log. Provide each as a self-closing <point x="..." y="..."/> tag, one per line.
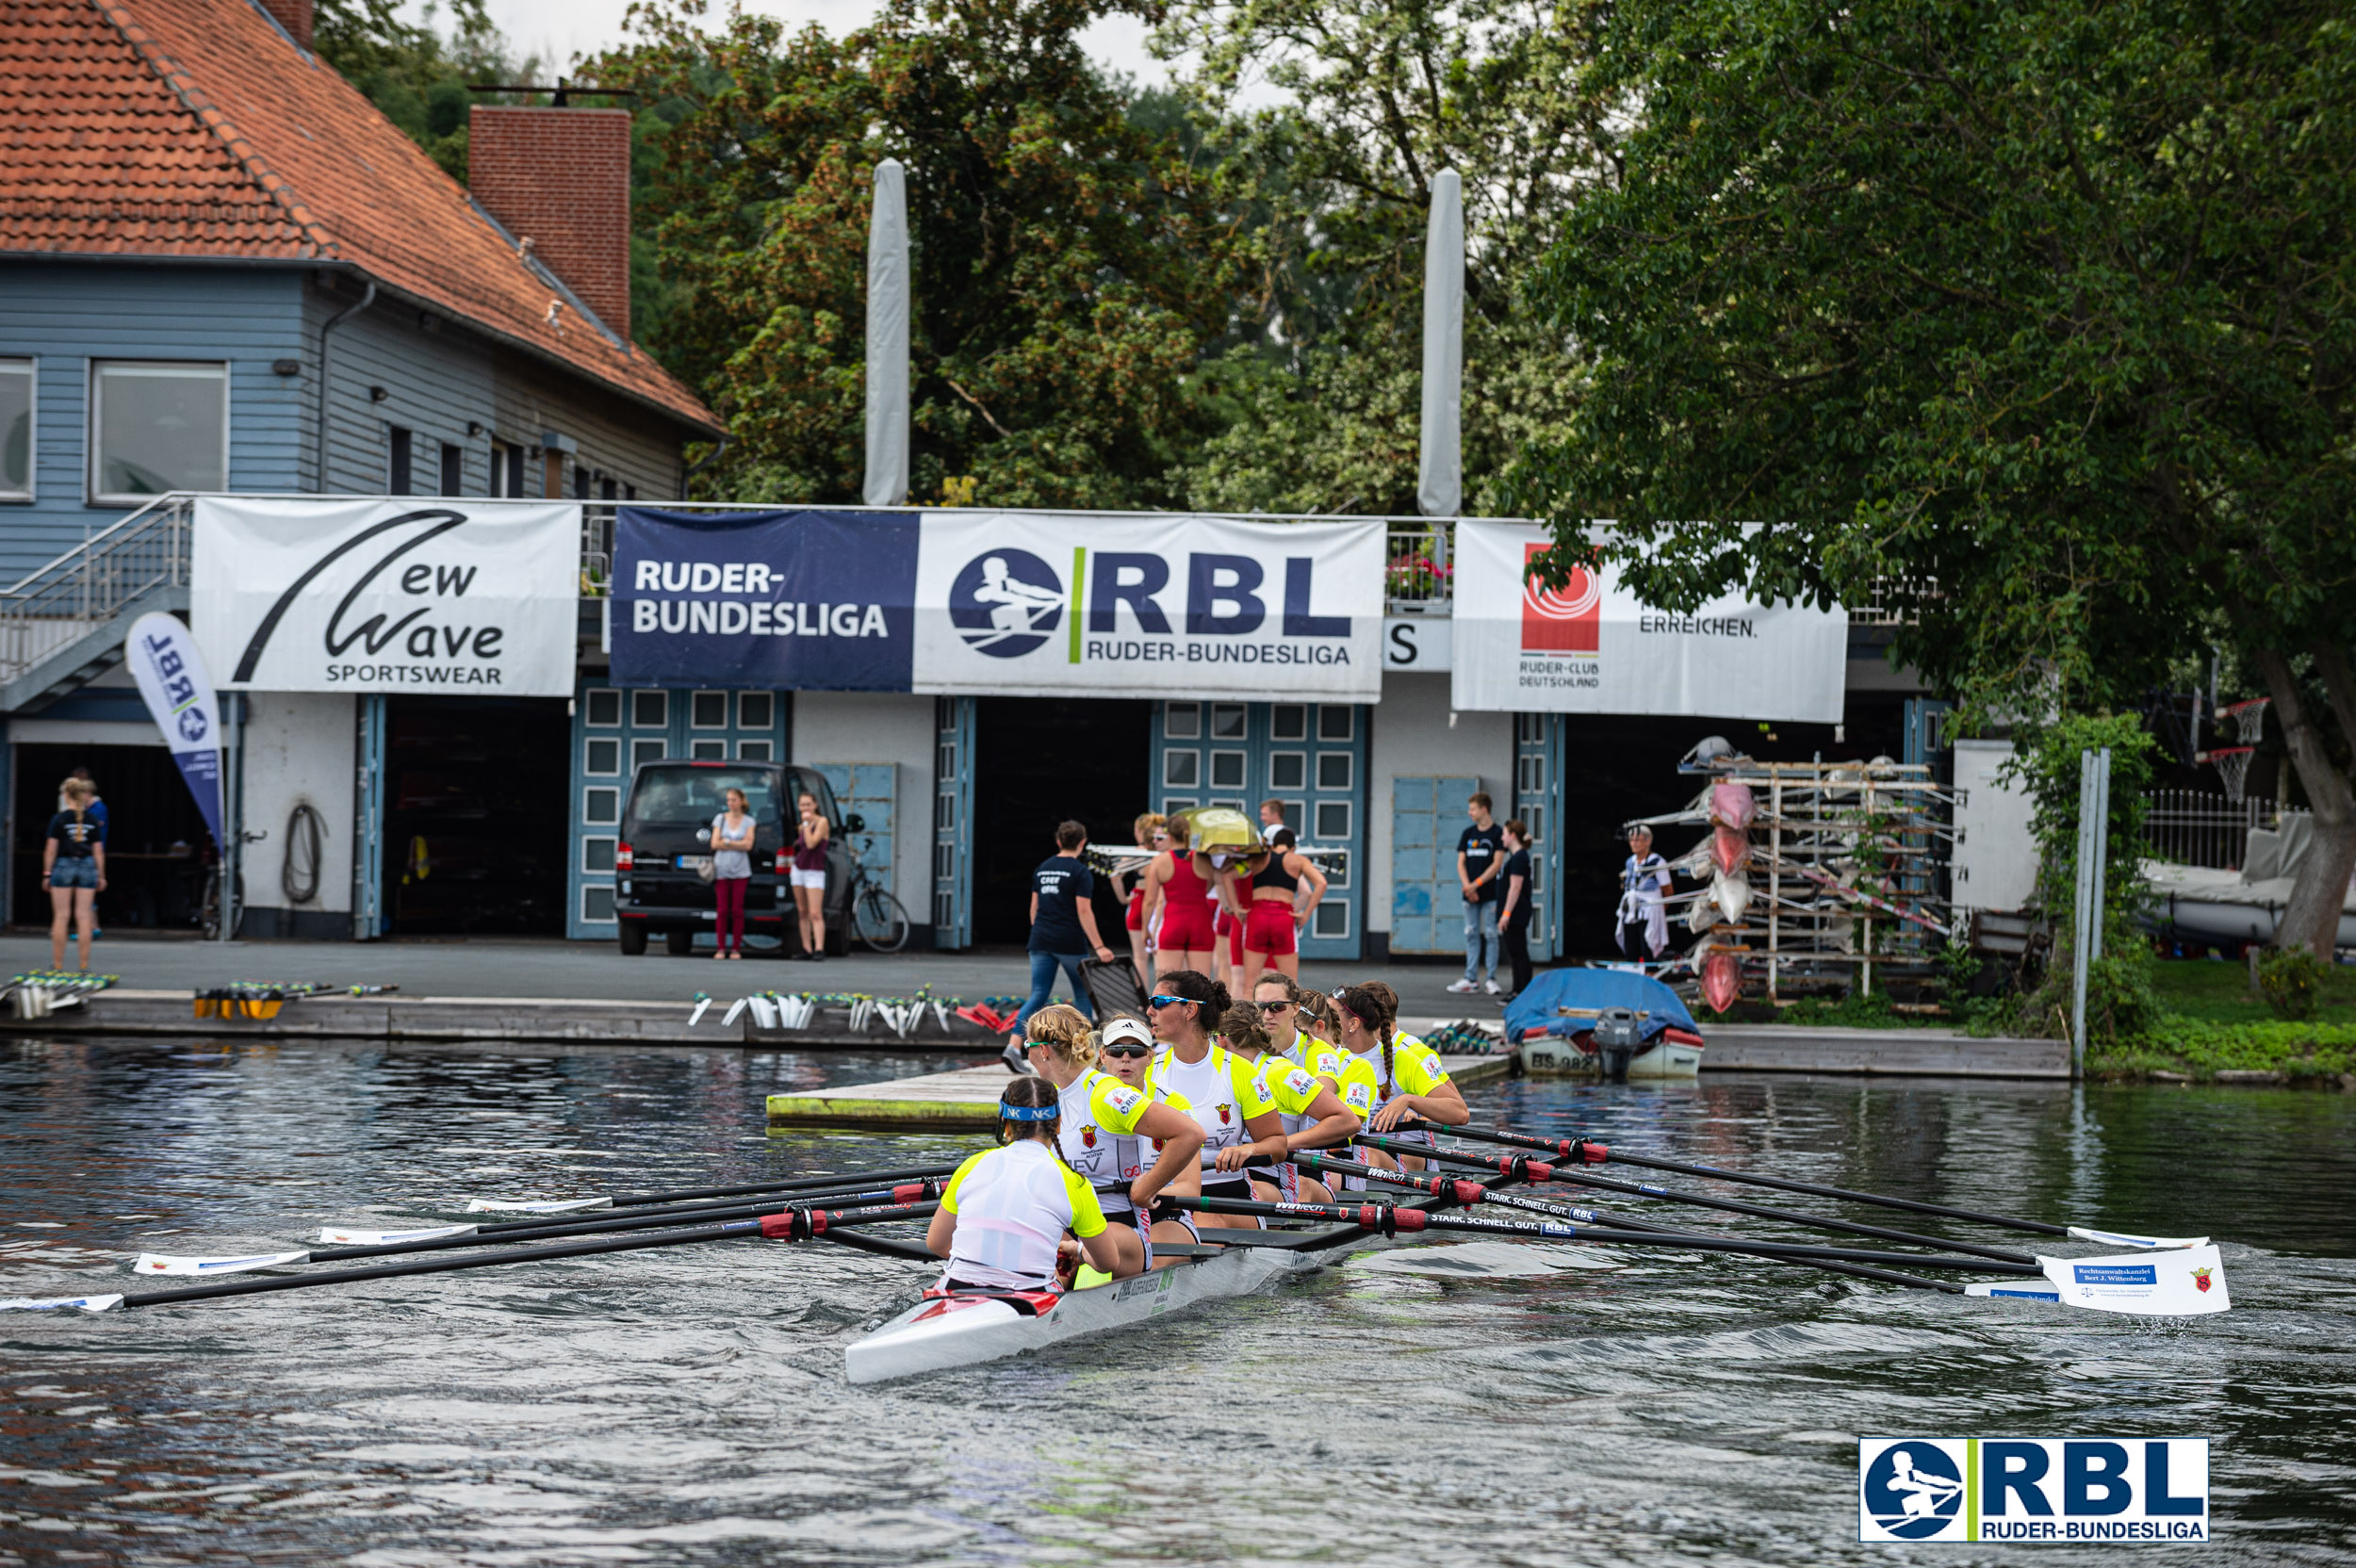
<point x="1031" y="1093"/>
<point x="1240" y="1025"/>
<point x="1375" y="1006"/>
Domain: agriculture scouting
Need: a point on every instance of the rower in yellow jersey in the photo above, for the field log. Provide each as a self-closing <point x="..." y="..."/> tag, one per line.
<point x="1309" y="1108"/>
<point x="1113" y="1132"/>
<point x="1409" y="1080"/>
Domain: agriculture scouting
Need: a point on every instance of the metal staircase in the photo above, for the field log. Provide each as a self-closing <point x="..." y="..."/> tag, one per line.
<point x="63" y="626"/>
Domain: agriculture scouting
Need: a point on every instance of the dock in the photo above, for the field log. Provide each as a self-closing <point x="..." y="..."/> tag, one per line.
<point x="968" y="1098"/>
<point x="1902" y="1052"/>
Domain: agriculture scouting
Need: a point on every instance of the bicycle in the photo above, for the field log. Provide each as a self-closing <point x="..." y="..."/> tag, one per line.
<point x="880" y="920"/>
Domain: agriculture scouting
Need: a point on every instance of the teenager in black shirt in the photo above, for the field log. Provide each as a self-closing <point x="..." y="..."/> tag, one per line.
<point x="74" y="869"/>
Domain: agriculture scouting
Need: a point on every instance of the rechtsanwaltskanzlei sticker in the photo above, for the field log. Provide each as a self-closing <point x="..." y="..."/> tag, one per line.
<point x="2073" y="1489"/>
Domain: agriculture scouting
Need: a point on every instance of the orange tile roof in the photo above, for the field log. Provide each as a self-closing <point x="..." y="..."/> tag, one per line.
<point x="195" y="128"/>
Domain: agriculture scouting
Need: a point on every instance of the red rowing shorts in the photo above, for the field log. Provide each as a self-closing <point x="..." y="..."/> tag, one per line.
<point x="1269" y="929"/>
<point x="1185" y="926"/>
<point x="1137" y="911"/>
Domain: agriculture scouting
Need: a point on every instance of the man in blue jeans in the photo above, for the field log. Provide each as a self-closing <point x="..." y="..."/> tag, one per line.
<point x="1479" y="859"/>
<point x="1063" y="923"/>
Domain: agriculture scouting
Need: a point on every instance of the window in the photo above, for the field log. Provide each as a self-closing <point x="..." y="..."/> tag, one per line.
<point x="604" y="757"/>
<point x="1332" y="819"/>
<point x="453" y="469"/>
<point x="581" y="484"/>
<point x="1335" y="864"/>
<point x="401" y="457"/>
<point x="507" y="470"/>
<point x="1332" y="919"/>
<point x="1336" y="721"/>
<point x="1181" y="721"/>
<point x="644" y="752"/>
<point x="1289" y="721"/>
<point x="1288" y="770"/>
<point x="1227" y="770"/>
<point x="605" y="706"/>
<point x="597" y="904"/>
<point x="649" y="709"/>
<point x="161" y="427"/>
<point x="708" y="710"/>
<point x="16" y="430"/>
<point x="607" y="489"/>
<point x="756" y="751"/>
<point x="708" y="751"/>
<point x="1182" y="770"/>
<point x="1333" y="770"/>
<point x="756" y="709"/>
<point x="1173" y="807"/>
<point x="1227" y="721"/>
<point x="601" y="807"/>
<point x="597" y="856"/>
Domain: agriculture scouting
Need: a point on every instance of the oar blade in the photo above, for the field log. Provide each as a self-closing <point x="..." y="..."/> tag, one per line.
<point x="2187" y="1283"/>
<point x="157" y="1263"/>
<point x="59" y="1304"/>
<point x="340" y="1235"/>
<point x="535" y="1205"/>
<point x="2121" y="1238"/>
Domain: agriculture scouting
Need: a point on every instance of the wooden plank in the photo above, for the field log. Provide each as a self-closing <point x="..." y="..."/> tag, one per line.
<point x="1919" y="1053"/>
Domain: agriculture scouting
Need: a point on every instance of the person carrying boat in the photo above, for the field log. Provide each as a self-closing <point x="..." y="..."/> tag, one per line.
<point x="1178" y="896"/>
<point x="1004" y="1215"/>
<point x="1217" y="1087"/>
<point x="1408" y="1078"/>
<point x="1274" y="915"/>
<point x="1309" y="1115"/>
<point x="1115" y="1133"/>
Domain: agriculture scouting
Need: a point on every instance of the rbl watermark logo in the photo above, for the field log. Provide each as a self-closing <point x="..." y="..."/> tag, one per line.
<point x="2073" y="1489"/>
<point x="1568" y="620"/>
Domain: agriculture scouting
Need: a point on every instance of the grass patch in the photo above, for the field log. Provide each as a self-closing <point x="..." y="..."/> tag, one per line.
<point x="2201" y="1050"/>
<point x="2218" y="992"/>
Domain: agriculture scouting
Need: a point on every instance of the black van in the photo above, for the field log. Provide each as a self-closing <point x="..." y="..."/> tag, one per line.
<point x="666" y="842"/>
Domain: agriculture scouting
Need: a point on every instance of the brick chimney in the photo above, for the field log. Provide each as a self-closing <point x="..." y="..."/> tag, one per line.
<point x="293" y="15"/>
<point x="560" y="179"/>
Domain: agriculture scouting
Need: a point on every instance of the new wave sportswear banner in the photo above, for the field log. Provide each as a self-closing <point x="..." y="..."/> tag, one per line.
<point x="171" y="678"/>
<point x="999" y="602"/>
<point x="468" y="597"/>
<point x="1594" y="647"/>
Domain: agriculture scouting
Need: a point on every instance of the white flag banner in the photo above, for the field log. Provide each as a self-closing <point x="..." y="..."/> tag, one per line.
<point x="1594" y="647"/>
<point x="1071" y="604"/>
<point x="473" y="597"/>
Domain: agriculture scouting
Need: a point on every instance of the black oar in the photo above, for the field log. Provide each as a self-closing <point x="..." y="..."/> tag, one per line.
<point x="1391" y="1220"/>
<point x="793" y="1225"/>
<point x="150" y="1263"/>
<point x="683" y="1195"/>
<point x="1579" y="1176"/>
<point x="1585" y="1151"/>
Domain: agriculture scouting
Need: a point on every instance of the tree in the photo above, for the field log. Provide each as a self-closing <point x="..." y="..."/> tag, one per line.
<point x="1321" y="385"/>
<point x="415" y="76"/>
<point x="1066" y="267"/>
<point x="2035" y="318"/>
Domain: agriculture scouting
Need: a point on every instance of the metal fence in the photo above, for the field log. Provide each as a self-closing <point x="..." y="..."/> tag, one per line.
<point x="1420" y="568"/>
<point x="2194" y="827"/>
<point x="53" y="605"/>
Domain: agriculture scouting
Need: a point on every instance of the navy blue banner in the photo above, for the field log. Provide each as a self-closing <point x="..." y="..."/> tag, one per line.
<point x="813" y="601"/>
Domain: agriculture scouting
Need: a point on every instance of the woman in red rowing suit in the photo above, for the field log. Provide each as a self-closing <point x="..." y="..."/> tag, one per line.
<point x="1274" y="915"/>
<point x="1177" y="906"/>
<point x="1151" y="836"/>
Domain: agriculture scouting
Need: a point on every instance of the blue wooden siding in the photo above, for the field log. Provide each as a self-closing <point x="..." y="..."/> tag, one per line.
<point x="65" y="314"/>
<point x="436" y="382"/>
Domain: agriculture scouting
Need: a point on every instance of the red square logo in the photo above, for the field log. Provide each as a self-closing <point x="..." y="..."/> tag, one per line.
<point x="1569" y="620"/>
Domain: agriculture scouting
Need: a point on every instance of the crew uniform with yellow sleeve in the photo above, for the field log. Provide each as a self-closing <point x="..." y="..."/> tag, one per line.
<point x="1099" y="1140"/>
<point x="1221" y="1092"/>
<point x="1291" y="1088"/>
<point x="1014" y="1204"/>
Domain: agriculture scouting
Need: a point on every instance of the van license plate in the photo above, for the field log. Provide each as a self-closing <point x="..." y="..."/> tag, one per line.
<point x="693" y="862"/>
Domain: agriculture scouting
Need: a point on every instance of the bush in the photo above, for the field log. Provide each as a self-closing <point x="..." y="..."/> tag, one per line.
<point x="2291" y="980"/>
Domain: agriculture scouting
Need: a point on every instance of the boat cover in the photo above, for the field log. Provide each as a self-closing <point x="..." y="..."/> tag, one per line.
<point x="1534" y="1012"/>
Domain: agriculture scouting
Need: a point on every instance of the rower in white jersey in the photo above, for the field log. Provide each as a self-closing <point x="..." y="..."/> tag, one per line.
<point x="1409" y="1080"/>
<point x="1310" y="1113"/>
<point x="1115" y="1133"/>
<point x="1216" y="1087"/>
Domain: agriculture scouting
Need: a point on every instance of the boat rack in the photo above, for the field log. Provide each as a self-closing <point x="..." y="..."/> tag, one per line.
<point x="1841" y="878"/>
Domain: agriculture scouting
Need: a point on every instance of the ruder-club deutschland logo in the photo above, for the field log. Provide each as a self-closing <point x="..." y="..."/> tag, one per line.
<point x="426" y="631"/>
<point x="2092" y="1490"/>
<point x="1005" y="603"/>
<point x="1568" y="620"/>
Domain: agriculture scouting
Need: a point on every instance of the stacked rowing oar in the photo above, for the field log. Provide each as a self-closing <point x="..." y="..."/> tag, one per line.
<point x="263" y="999"/>
<point x="40" y="992"/>
<point x="802" y="1209"/>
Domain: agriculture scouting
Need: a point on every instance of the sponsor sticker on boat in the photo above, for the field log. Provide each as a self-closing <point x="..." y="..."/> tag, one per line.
<point x="2090" y="1490"/>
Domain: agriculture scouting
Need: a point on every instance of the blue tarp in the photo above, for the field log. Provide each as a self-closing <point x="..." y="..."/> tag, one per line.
<point x="1533" y="1011"/>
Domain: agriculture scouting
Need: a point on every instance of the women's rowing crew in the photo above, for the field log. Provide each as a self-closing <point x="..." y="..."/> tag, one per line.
<point x="1113" y="1122"/>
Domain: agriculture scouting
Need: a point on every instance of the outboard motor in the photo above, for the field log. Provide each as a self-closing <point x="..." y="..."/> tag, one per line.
<point x="1618" y="1037"/>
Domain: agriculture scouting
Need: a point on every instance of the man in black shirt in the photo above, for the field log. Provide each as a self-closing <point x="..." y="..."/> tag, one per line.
<point x="1479" y="859"/>
<point x="1063" y="923"/>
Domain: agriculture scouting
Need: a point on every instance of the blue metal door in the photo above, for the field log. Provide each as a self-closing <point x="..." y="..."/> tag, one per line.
<point x="367" y="816"/>
<point x="1427" y="902"/>
<point x="953" y="819"/>
<point x="1538" y="801"/>
<point x="1310" y="757"/>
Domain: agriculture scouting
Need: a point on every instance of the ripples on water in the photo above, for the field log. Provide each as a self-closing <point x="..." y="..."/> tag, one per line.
<point x="688" y="1405"/>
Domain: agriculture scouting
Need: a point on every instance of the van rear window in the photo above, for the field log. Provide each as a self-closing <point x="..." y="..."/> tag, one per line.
<point x="690" y="797"/>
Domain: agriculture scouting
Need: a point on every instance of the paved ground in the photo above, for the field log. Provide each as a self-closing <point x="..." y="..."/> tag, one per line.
<point x="524" y="966"/>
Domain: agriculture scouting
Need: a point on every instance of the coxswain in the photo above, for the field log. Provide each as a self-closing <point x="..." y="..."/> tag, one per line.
<point x="1004" y="1217"/>
<point x="1308" y="1112"/>
<point x="1114" y="1133"/>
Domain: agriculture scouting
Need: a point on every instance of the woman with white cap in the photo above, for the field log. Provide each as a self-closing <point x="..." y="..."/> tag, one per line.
<point x="1115" y="1133"/>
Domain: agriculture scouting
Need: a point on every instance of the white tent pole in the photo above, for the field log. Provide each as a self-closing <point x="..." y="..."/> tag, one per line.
<point x="888" y="339"/>
<point x="1440" y="479"/>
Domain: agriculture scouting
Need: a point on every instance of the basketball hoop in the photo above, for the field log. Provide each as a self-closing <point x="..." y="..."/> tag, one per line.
<point x="2233" y="766"/>
<point x="2250" y="718"/>
<point x="2232" y="763"/>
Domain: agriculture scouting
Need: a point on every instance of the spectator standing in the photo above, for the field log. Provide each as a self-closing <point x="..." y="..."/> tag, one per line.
<point x="731" y="873"/>
<point x="73" y="868"/>
<point x="809" y="878"/>
<point x="1063" y="923"/>
<point x="1645" y="883"/>
<point x="1479" y="859"/>
<point x="1513" y="910"/>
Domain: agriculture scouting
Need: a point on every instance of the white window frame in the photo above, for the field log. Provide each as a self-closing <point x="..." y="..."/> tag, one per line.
<point x="1194" y="779"/>
<point x="589" y="888"/>
<point x="660" y="696"/>
<point x="1240" y="711"/>
<point x="588" y="812"/>
<point x="589" y="709"/>
<point x="1276" y="784"/>
<point x="1181" y="721"/>
<point x="1349" y="765"/>
<point x="695" y="723"/>
<point x="610" y="841"/>
<point x="1325" y="859"/>
<point x="708" y="748"/>
<point x="1341" y="907"/>
<point x="93" y="421"/>
<point x="589" y="768"/>
<point x="661" y="749"/>
<point x="1172" y="805"/>
<point x="1349" y="722"/>
<point x="32" y="431"/>
<point x="743" y="723"/>
<point x="1242" y="763"/>
<point x="768" y="751"/>
<point x="1319" y="807"/>
<point x="1276" y="708"/>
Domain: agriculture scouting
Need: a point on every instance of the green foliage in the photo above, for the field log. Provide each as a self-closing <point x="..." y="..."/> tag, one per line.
<point x="2201" y="1050"/>
<point x="415" y="75"/>
<point x="2291" y="980"/>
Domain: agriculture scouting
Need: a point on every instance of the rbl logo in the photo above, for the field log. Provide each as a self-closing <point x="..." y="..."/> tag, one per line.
<point x="1567" y="621"/>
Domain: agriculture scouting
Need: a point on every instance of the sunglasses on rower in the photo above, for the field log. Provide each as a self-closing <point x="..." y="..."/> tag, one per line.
<point x="1160" y="1002"/>
<point x="1127" y="1048"/>
<point x="1278" y="1006"/>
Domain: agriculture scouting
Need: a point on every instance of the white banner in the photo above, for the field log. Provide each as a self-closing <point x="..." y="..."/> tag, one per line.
<point x="473" y="597"/>
<point x="1080" y="604"/>
<point x="1595" y="649"/>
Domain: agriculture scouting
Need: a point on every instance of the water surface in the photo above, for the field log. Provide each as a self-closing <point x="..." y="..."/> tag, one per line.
<point x="687" y="1405"/>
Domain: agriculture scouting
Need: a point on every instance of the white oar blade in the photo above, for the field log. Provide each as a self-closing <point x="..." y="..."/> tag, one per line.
<point x="548" y="1206"/>
<point x="343" y="1236"/>
<point x="736" y="1010"/>
<point x="2185" y="1283"/>
<point x="59" y="1304"/>
<point x="2120" y="1238"/>
<point x="697" y="1016"/>
<point x="157" y="1263"/>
